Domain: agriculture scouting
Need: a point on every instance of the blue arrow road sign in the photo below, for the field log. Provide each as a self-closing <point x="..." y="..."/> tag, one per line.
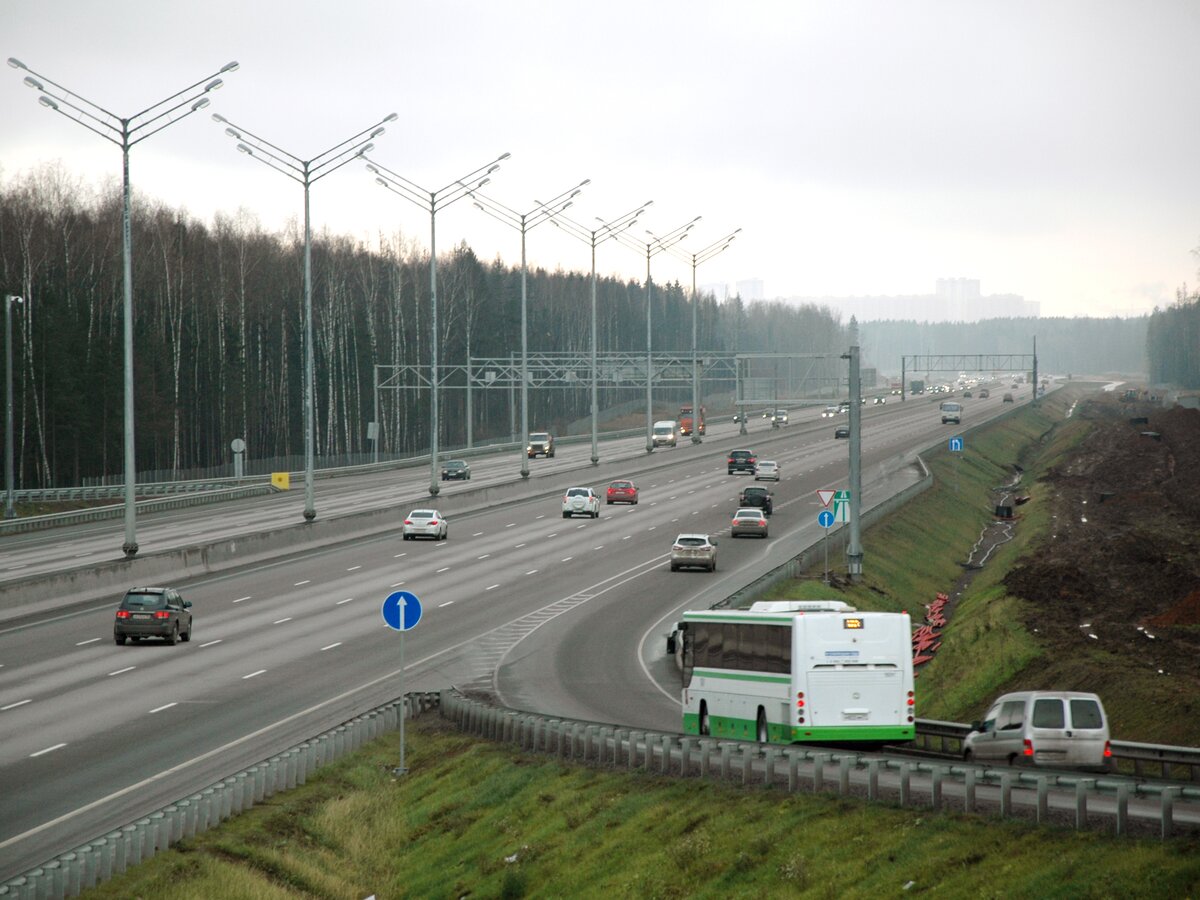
<point x="825" y="518"/>
<point x="402" y="611"/>
<point x="956" y="445"/>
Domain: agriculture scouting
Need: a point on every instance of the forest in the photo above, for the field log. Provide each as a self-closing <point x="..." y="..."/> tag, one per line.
<point x="1173" y="343"/>
<point x="218" y="336"/>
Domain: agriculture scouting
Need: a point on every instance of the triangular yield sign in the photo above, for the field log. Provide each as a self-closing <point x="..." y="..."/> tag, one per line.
<point x="825" y="496"/>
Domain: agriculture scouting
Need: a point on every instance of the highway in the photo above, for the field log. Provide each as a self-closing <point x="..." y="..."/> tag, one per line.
<point x="561" y="616"/>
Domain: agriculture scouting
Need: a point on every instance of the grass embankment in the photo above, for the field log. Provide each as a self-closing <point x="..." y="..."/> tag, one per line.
<point x="921" y="549"/>
<point x="481" y="820"/>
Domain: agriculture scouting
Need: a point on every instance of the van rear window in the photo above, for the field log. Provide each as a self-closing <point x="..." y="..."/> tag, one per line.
<point x="1048" y="713"/>
<point x="1086" y="714"/>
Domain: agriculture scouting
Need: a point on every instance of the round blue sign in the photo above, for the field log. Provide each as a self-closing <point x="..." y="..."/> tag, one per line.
<point x="402" y="611"/>
<point x="825" y="518"/>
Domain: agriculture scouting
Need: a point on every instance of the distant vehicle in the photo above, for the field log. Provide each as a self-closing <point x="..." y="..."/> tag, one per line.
<point x="1042" y="728"/>
<point x="966" y="395"/>
<point x="844" y="406"/>
<point x="758" y="497"/>
<point x="622" y="492"/>
<point x="663" y="434"/>
<point x="742" y="461"/>
<point x="456" y="470"/>
<point x="829" y="412"/>
<point x="685" y="420"/>
<point x="425" y="523"/>
<point x="580" y="501"/>
<point x="878" y="400"/>
<point x="153" y="612"/>
<point x="951" y="412"/>
<point x="749" y="523"/>
<point x="766" y="470"/>
<point x="984" y="394"/>
<point x="842" y="431"/>
<point x="779" y="417"/>
<point x="1008" y="398"/>
<point x="696" y="551"/>
<point x="814" y="671"/>
<point x="916" y="387"/>
<point x="740" y="417"/>
<point x="541" y="443"/>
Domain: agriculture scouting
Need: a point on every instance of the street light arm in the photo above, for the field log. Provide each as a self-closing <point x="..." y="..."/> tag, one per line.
<point x="279" y="164"/>
<point x="211" y="83"/>
<point x="196" y="104"/>
<point x="335" y="152"/>
<point x="17" y="64"/>
<point x="486" y="169"/>
<point x="259" y="143"/>
<point x="398" y="184"/>
<point x="55" y="104"/>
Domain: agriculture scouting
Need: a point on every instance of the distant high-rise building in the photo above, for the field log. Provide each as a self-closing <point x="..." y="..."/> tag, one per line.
<point x="751" y="289"/>
<point x="953" y="300"/>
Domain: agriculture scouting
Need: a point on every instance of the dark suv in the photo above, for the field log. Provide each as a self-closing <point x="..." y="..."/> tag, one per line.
<point x="153" y="612"/>
<point x="742" y="461"/>
<point x="758" y="497"/>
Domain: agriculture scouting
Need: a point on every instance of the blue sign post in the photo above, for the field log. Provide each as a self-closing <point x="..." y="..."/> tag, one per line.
<point x="825" y="520"/>
<point x="401" y="612"/>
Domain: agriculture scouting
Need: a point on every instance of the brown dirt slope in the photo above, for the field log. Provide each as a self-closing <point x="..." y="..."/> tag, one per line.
<point x="1122" y="569"/>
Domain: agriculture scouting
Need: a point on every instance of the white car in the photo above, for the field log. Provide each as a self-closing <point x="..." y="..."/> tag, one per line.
<point x="580" y="501"/>
<point x="766" y="470"/>
<point x="829" y="412"/>
<point x="426" y="523"/>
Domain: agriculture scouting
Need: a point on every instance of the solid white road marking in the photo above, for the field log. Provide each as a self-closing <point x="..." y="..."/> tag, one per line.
<point x="14" y="705"/>
<point x="353" y="568"/>
<point x="161" y="708"/>
<point x="331" y="646"/>
<point x="88" y="641"/>
<point x="122" y="671"/>
<point x="252" y="674"/>
<point x="347" y="600"/>
<point x="240" y="599"/>
<point x="210" y="643"/>
<point x="47" y="750"/>
<point x="281" y="621"/>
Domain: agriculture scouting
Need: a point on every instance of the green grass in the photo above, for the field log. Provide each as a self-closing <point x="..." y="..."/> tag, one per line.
<point x="451" y="826"/>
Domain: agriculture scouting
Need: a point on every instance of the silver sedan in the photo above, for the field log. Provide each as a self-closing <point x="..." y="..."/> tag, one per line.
<point x="748" y="523"/>
<point x="426" y="523"/>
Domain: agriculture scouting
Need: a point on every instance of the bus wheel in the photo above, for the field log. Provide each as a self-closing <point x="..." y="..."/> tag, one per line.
<point x="762" y="727"/>
<point x="704" y="718"/>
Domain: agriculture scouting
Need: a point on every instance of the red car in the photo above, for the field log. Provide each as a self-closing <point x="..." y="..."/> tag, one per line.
<point x="623" y="492"/>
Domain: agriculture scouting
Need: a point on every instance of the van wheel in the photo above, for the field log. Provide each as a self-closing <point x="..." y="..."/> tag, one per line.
<point x="968" y="757"/>
<point x="1012" y="759"/>
<point x="761" y="730"/>
<point x="704" y="727"/>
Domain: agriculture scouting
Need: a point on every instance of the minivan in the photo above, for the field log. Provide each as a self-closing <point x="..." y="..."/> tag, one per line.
<point x="1042" y="728"/>
<point x="951" y="412"/>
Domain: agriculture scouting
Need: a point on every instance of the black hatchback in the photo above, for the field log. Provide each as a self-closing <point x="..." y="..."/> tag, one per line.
<point x="742" y="461"/>
<point x="153" y="612"/>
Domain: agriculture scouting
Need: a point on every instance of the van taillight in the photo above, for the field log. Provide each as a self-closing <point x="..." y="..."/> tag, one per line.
<point x="1107" y="749"/>
<point x="1028" y="747"/>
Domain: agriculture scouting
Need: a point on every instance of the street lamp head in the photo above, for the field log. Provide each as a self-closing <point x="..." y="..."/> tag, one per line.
<point x="217" y="117"/>
<point x="213" y="85"/>
<point x="365" y="149"/>
<point x="391" y="117"/>
<point x="377" y="132"/>
<point x="372" y="169"/>
<point x="200" y="104"/>
<point x="505" y="156"/>
<point x="33" y="83"/>
<point x="48" y="103"/>
<point x="381" y="182"/>
<point x="482" y="183"/>
<point x="16" y="63"/>
<point x="242" y="148"/>
<point x="229" y="67"/>
<point x="233" y="134"/>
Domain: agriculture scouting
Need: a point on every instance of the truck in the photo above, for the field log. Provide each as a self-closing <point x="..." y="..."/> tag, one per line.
<point x="916" y="387"/>
<point x="685" y="420"/>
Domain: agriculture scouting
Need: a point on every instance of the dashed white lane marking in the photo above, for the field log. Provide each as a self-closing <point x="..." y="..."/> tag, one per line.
<point x="477" y="534"/>
<point x="555" y="534"/>
<point x="485" y="556"/>
<point x="491" y="587"/>
<point x="567" y="559"/>
<point x="354" y="568"/>
<point x="47" y="750"/>
<point x="14" y="705"/>
<point x="331" y="646"/>
<point x="240" y="599"/>
<point x="161" y="708"/>
<point x="532" y="572"/>
<point x="584" y="525"/>
<point x="447" y="603"/>
<point x="210" y="643"/>
<point x="253" y="674"/>
<point x="510" y="525"/>
<point x="122" y="671"/>
<point x="302" y="583"/>
<point x="652" y="527"/>
<point x="541" y="516"/>
<point x="601" y="547"/>
<point x="518" y="547"/>
<point x="348" y="599"/>
<point x="88" y="641"/>
<point x="398" y="555"/>
<point x="444" y="569"/>
<point x="397" y="584"/>
<point x="627" y="537"/>
<point x="281" y="621"/>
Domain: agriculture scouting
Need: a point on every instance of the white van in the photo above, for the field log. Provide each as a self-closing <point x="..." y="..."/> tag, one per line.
<point x="951" y="412"/>
<point x="1042" y="728"/>
<point x="664" y="434"/>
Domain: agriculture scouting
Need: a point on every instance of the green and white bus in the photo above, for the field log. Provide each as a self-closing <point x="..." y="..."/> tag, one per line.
<point x="788" y="671"/>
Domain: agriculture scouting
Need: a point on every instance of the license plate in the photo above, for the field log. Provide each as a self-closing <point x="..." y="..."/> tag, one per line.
<point x="141" y="615"/>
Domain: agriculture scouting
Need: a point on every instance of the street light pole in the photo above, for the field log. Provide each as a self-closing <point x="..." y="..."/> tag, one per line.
<point x="523" y="222"/>
<point x="593" y="237"/>
<point x="433" y="202"/>
<point x="656" y="245"/>
<point x="305" y="172"/>
<point x="10" y="511"/>
<point x="695" y="259"/>
<point x="124" y="133"/>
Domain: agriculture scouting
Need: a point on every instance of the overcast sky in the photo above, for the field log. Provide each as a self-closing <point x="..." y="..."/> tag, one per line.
<point x="1048" y="149"/>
